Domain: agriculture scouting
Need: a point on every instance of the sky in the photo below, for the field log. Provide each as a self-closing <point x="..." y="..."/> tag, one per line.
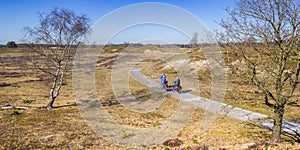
<point x="16" y="14"/>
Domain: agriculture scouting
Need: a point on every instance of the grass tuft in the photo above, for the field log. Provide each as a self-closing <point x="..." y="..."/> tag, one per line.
<point x="15" y="113"/>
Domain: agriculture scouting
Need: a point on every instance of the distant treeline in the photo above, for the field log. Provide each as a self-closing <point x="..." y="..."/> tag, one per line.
<point x="136" y="45"/>
<point x="25" y="45"/>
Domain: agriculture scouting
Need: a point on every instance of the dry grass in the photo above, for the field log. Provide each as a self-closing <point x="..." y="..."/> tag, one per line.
<point x="64" y="128"/>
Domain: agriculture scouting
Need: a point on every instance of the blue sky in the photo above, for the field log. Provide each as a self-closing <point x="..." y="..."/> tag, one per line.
<point x="15" y="14"/>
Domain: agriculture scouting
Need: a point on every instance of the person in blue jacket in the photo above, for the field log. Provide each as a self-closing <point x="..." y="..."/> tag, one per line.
<point x="163" y="79"/>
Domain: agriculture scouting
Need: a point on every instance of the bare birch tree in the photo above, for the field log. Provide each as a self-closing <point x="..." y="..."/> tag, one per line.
<point x="265" y="33"/>
<point x="57" y="35"/>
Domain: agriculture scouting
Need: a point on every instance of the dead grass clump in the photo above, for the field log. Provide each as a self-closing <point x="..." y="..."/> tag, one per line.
<point x="173" y="143"/>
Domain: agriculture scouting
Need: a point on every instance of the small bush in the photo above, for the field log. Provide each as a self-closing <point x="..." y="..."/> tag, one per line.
<point x="11" y="44"/>
<point x="26" y="101"/>
<point x="15" y="113"/>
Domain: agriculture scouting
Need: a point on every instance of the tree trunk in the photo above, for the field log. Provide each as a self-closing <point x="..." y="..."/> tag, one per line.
<point x="278" y="117"/>
<point x="52" y="96"/>
<point x="50" y="104"/>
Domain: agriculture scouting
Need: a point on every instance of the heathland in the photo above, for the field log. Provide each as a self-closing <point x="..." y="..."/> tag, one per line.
<point x="63" y="127"/>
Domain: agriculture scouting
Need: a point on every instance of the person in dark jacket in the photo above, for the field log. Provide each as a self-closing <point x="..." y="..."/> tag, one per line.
<point x="177" y="83"/>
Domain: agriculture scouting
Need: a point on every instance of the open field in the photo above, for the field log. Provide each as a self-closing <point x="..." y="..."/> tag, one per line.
<point x="64" y="128"/>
